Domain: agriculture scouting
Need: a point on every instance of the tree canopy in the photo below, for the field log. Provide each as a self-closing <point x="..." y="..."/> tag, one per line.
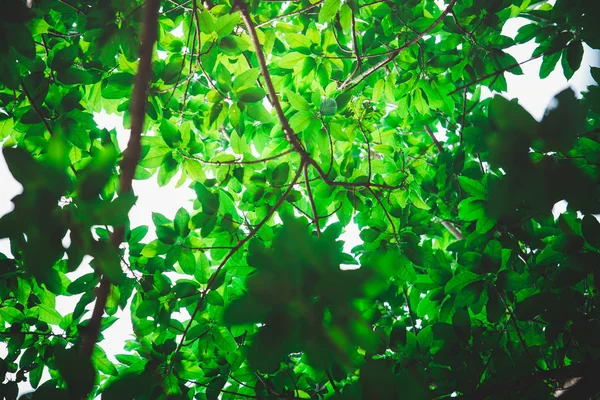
<point x="292" y="120"/>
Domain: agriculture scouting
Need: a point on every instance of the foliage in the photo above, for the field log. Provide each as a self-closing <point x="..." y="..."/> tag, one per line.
<point x="292" y="120"/>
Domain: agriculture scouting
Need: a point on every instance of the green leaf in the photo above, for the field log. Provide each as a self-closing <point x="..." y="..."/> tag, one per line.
<point x="102" y="362"/>
<point x="575" y="54"/>
<point x="419" y="102"/>
<point x="378" y="90"/>
<point x="181" y="221"/>
<point x="209" y="201"/>
<point x="417" y="201"/>
<point x="48" y="314"/>
<point x="281" y="174"/>
<point x="470" y="209"/>
<point x="590" y="228"/>
<point x="526" y="33"/>
<point x="246" y="79"/>
<point x="251" y="95"/>
<point x="291" y="60"/>
<point x="238" y="145"/>
<point x="215" y="299"/>
<point x="224" y="339"/>
<point x="297" y="102"/>
<point x="207" y="22"/>
<point x="63" y="58"/>
<point x="11" y="315"/>
<point x="484" y="224"/>
<point x="224" y="24"/>
<point x="300" y="121"/>
<point x="549" y="64"/>
<point x="473" y="187"/>
<point x="328" y="107"/>
<point x="328" y="10"/>
<point x="458" y="282"/>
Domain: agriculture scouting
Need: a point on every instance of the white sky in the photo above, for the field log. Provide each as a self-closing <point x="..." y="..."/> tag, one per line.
<point x="534" y="94"/>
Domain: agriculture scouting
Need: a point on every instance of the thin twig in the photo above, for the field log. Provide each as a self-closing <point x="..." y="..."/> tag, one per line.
<point x="495" y="74"/>
<point x="410" y="311"/>
<point x="236" y="162"/>
<point x="333" y="385"/>
<point x="238" y="246"/>
<point x="312" y="201"/>
<point x="35" y="109"/>
<point x="207" y="248"/>
<point x="514" y="322"/>
<point x="352" y="83"/>
<point x="351" y="185"/>
<point x="290" y="14"/>
<point x="435" y="141"/>
<point x="356" y="51"/>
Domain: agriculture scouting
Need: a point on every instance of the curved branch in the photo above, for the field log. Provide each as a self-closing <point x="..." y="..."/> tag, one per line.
<point x="285" y="125"/>
<point x="131" y="156"/>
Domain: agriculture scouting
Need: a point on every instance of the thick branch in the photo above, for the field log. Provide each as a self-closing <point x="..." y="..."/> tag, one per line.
<point x="287" y="129"/>
<point x="131" y="155"/>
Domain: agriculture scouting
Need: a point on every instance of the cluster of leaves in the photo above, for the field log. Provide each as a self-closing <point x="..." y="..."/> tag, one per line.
<point x="317" y="114"/>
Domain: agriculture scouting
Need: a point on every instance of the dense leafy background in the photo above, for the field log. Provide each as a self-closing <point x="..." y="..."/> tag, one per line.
<point x="467" y="284"/>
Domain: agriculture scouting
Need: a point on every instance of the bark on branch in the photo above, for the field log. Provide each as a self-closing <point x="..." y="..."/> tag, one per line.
<point x="131" y="156"/>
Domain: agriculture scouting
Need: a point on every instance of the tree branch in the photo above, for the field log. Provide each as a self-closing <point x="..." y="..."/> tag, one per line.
<point x="494" y="74"/>
<point x="356" y="52"/>
<point x="455" y="232"/>
<point x="236" y="162"/>
<point x="352" y="83"/>
<point x="287" y="129"/>
<point x="238" y="246"/>
<point x="312" y="200"/>
<point x="130" y="157"/>
<point x="318" y="3"/>
<point x="35" y="109"/>
<point x="435" y="141"/>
